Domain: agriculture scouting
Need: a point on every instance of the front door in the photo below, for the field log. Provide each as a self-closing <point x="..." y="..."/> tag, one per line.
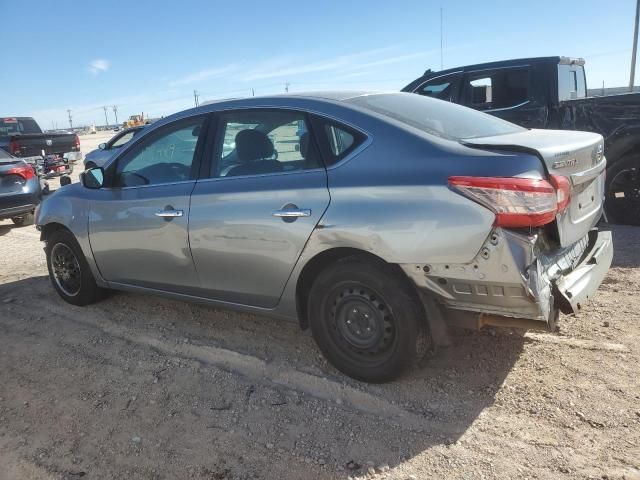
<point x="138" y="225"/>
<point x="251" y="218"/>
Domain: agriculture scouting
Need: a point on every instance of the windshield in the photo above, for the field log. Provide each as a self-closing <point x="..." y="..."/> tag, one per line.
<point x="18" y="126"/>
<point x="436" y="117"/>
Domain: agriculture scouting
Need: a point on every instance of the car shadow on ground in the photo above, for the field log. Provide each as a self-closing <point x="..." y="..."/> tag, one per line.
<point x="345" y="422"/>
<point x="4" y="229"/>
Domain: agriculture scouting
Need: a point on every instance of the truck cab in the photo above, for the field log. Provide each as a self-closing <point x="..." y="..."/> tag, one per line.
<point x="551" y="93"/>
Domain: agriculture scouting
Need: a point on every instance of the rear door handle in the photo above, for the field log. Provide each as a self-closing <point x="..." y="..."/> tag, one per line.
<point x="169" y="213"/>
<point x="292" y="213"/>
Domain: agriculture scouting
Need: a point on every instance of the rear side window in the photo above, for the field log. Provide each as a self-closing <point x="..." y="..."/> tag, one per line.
<point x="444" y="119"/>
<point x="335" y="139"/>
<point x="261" y="142"/>
<point x="499" y="89"/>
<point x="441" y="88"/>
<point x="17" y="126"/>
<point x="571" y="83"/>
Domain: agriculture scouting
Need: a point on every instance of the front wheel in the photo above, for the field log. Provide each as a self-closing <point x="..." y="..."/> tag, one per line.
<point x="364" y="320"/>
<point x="622" y="197"/>
<point x="69" y="271"/>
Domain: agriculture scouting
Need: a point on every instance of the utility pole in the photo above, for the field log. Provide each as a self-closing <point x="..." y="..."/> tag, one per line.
<point x="195" y="98"/>
<point x="106" y="120"/>
<point x="115" y="112"/>
<point x="253" y="92"/>
<point x="70" y="121"/>
<point x="635" y="48"/>
<point x="286" y="85"/>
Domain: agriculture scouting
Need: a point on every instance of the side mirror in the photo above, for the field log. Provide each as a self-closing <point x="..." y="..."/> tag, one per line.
<point x="65" y="180"/>
<point x="102" y="146"/>
<point x="92" y="178"/>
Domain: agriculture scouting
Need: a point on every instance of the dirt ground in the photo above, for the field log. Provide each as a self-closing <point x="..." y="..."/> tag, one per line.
<point x="143" y="387"/>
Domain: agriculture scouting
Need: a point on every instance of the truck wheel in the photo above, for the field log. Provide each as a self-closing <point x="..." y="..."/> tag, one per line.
<point x="23" y="221"/>
<point x="69" y="271"/>
<point x="622" y="197"/>
<point x="364" y="320"/>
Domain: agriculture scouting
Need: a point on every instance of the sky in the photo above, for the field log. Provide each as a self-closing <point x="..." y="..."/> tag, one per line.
<point x="150" y="56"/>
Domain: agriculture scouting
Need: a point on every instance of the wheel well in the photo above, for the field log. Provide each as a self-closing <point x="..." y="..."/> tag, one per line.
<point x="48" y="229"/>
<point x="323" y="260"/>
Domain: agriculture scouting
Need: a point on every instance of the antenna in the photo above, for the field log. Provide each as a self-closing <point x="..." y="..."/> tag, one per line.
<point x="441" y="62"/>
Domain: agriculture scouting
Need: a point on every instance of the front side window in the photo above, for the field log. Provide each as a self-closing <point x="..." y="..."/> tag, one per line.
<point x="498" y="89"/>
<point x="258" y="142"/>
<point x="166" y="157"/>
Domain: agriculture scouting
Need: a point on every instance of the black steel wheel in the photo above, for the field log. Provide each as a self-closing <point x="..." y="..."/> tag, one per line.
<point x="622" y="198"/>
<point x="69" y="271"/>
<point x="365" y="319"/>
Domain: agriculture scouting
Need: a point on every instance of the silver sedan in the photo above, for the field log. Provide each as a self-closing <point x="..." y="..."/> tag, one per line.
<point x="374" y="219"/>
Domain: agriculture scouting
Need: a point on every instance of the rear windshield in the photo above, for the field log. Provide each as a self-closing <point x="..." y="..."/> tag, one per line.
<point x="437" y="117"/>
<point x="18" y="126"/>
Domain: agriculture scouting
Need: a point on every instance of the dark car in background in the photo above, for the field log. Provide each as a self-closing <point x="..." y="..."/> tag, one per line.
<point x="20" y="189"/>
<point x="99" y="156"/>
<point x="551" y="93"/>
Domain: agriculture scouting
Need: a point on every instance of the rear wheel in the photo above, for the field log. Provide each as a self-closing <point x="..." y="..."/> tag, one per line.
<point x="24" y="220"/>
<point x="364" y="320"/>
<point x="622" y="201"/>
<point x="69" y="271"/>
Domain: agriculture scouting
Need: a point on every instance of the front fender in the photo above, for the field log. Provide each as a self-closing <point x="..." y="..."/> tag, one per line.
<point x="68" y="207"/>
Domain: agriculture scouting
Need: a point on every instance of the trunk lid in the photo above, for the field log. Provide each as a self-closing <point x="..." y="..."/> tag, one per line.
<point x="579" y="156"/>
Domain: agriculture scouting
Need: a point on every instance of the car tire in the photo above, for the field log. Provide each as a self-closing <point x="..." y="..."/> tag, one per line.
<point x="623" y="178"/>
<point x="365" y="320"/>
<point x="23" y="220"/>
<point x="69" y="271"/>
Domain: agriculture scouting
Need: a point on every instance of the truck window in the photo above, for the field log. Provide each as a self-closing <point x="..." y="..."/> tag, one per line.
<point x="18" y="126"/>
<point x="441" y="88"/>
<point x="571" y="82"/>
<point x="493" y="90"/>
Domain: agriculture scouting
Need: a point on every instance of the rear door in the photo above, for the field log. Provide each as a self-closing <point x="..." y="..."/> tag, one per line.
<point x="250" y="219"/>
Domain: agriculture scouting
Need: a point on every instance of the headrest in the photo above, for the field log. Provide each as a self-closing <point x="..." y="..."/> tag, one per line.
<point x="253" y="145"/>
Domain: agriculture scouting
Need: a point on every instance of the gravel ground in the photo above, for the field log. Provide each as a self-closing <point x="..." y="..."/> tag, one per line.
<point x="144" y="387"/>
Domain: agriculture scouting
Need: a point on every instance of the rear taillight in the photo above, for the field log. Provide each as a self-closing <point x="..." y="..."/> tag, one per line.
<point x="517" y="202"/>
<point x="24" y="171"/>
<point x="77" y="144"/>
<point x="14" y="148"/>
<point x="563" y="191"/>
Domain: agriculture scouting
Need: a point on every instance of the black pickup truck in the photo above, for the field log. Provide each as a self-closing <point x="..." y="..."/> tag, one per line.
<point x="23" y="138"/>
<point x="551" y="92"/>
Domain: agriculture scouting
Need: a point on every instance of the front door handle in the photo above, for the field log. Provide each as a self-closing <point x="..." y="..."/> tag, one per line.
<point x="292" y="213"/>
<point x="169" y="213"/>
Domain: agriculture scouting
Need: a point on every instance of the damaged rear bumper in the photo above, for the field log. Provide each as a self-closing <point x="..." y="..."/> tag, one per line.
<point x="581" y="283"/>
<point x="514" y="275"/>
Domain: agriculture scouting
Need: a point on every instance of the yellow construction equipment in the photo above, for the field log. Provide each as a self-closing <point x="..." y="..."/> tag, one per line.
<point x="134" y="121"/>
